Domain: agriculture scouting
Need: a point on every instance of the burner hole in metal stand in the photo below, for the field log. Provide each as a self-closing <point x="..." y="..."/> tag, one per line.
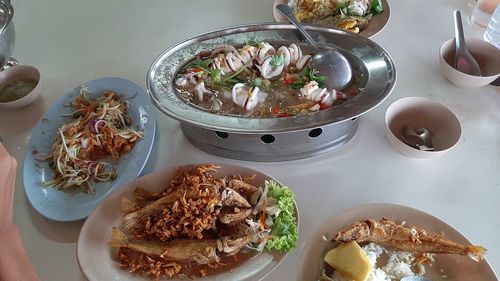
<point x="267" y="138"/>
<point x="222" y="135"/>
<point x="354" y="119"/>
<point x="315" y="132"/>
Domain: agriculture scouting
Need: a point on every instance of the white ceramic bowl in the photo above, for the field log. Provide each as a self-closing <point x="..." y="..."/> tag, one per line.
<point x="486" y="55"/>
<point x="20" y="72"/>
<point x="422" y="112"/>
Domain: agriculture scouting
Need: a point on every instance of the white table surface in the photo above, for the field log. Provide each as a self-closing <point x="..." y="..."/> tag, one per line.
<point x="75" y="41"/>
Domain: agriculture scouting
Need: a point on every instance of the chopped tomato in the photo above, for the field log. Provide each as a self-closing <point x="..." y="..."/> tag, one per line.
<point x="288" y="80"/>
<point x="275" y="110"/>
<point x="196" y="69"/>
<point x="323" y="106"/>
<point x="283" y="115"/>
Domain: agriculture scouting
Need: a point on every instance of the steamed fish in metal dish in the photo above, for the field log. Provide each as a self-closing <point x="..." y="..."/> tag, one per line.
<point x="200" y="223"/>
<point x="351" y="15"/>
<point x="384" y="250"/>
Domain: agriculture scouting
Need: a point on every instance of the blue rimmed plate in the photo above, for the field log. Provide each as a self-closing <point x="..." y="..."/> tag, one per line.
<point x="75" y="205"/>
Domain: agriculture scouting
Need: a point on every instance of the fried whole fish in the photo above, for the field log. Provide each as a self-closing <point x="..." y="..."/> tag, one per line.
<point x="203" y="251"/>
<point x="227" y="197"/>
<point x="389" y="234"/>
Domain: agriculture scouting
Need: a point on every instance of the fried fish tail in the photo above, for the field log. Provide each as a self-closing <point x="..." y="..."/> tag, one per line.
<point x="119" y="240"/>
<point x="475" y="252"/>
<point x="132" y="218"/>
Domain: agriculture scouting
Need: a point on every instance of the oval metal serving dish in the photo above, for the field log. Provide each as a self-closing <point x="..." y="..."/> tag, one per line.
<point x="253" y="138"/>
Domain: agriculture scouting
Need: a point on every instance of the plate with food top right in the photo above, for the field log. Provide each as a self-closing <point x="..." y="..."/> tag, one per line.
<point x="366" y="17"/>
<point x="390" y="242"/>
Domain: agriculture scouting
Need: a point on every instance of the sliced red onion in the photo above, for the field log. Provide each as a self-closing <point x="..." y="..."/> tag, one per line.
<point x="95" y="124"/>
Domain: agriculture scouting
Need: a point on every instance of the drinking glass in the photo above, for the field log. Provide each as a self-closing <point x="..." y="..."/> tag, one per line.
<point x="483" y="9"/>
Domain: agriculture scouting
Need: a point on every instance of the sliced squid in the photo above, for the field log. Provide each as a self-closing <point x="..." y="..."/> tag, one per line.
<point x="221" y="64"/>
<point x="200" y="90"/>
<point x="251" y="50"/>
<point x="265" y="51"/>
<point x="312" y="91"/>
<point x="245" y="96"/>
<point x="303" y="61"/>
<point x="181" y="82"/>
<point x="295" y="54"/>
<point x="234" y="62"/>
<point x="269" y="71"/>
<point x="283" y="51"/>
<point x="224" y="49"/>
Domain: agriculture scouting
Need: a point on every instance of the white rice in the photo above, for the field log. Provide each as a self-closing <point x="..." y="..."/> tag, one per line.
<point x="398" y="264"/>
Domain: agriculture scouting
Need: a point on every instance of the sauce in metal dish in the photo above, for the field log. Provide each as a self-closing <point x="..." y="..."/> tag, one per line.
<point x="17" y="89"/>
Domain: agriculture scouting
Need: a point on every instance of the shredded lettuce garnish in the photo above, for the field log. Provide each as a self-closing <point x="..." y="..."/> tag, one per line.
<point x="284" y="234"/>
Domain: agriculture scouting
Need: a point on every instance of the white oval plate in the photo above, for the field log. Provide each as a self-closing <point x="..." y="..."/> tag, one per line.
<point x="95" y="256"/>
<point x="377" y="23"/>
<point x="75" y="205"/>
<point x="457" y="268"/>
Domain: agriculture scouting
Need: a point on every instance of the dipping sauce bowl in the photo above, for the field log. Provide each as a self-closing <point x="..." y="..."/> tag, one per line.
<point x="19" y="86"/>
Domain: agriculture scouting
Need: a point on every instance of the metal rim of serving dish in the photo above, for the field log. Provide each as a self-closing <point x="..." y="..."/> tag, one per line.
<point x="161" y="89"/>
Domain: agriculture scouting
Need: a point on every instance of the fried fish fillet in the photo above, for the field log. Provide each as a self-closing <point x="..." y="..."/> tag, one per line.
<point x="389" y="234"/>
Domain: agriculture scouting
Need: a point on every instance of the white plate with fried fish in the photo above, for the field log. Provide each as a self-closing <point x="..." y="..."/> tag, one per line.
<point x="325" y="13"/>
<point x="203" y="221"/>
<point x="398" y="230"/>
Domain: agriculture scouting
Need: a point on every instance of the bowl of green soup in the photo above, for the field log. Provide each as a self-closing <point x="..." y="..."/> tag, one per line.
<point x="19" y="86"/>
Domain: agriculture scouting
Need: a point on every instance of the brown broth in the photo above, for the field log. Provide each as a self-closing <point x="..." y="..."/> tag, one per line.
<point x="17" y="89"/>
<point x="282" y="100"/>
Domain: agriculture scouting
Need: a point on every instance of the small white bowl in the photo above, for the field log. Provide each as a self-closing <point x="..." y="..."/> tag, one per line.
<point x="422" y="112"/>
<point x="20" y="72"/>
<point x="486" y="55"/>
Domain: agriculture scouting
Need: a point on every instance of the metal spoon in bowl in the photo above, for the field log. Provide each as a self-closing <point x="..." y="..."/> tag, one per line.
<point x="415" y="278"/>
<point x="328" y="62"/>
<point x="464" y="61"/>
<point x="418" y="137"/>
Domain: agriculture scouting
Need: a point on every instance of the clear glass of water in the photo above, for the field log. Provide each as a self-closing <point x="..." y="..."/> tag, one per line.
<point x="492" y="33"/>
<point x="482" y="12"/>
